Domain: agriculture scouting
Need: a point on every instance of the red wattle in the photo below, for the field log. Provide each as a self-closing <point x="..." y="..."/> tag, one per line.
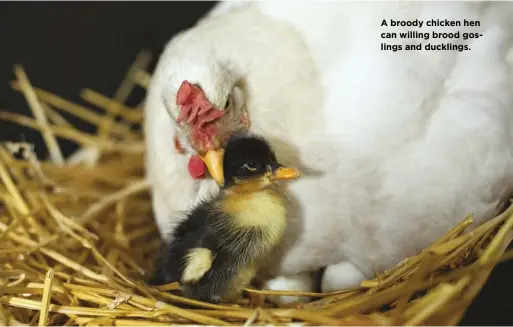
<point x="196" y="167"/>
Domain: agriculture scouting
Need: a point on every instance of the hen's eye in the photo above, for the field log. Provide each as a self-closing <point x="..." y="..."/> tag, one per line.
<point x="228" y="102"/>
<point x="250" y="166"/>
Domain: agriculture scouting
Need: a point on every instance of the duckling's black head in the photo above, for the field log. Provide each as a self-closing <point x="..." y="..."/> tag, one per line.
<point x="250" y="161"/>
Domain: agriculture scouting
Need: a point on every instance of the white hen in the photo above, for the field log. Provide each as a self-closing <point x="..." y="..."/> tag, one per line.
<point x="395" y="147"/>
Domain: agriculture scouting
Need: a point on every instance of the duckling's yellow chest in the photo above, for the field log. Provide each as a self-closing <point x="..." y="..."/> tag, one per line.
<point x="264" y="210"/>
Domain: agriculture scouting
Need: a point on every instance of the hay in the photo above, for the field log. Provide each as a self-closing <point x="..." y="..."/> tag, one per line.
<point x="77" y="238"/>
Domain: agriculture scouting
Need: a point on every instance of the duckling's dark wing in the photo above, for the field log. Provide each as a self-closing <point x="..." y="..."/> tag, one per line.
<point x="193" y="232"/>
<point x="235" y="249"/>
<point x="216" y="281"/>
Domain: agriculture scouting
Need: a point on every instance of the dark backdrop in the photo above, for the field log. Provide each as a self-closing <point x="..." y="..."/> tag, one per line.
<point x="66" y="46"/>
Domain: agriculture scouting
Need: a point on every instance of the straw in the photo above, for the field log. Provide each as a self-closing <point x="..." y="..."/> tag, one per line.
<point x="78" y="239"/>
<point x="47" y="295"/>
<point x="38" y="112"/>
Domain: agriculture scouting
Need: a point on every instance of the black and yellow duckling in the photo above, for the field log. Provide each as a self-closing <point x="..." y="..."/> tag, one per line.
<point x="216" y="250"/>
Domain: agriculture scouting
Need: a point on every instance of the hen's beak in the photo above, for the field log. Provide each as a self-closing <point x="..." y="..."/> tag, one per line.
<point x="285" y="173"/>
<point x="213" y="159"/>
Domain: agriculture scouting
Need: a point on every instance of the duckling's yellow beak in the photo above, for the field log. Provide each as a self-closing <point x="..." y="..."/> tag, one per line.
<point x="213" y="159"/>
<point x="285" y="173"/>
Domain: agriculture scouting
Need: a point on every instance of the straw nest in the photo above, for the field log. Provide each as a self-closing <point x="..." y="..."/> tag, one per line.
<point x="77" y="238"/>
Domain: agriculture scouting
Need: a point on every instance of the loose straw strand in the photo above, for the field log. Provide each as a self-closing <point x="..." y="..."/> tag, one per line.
<point x="142" y="60"/>
<point x="47" y="295"/>
<point x="38" y="112"/>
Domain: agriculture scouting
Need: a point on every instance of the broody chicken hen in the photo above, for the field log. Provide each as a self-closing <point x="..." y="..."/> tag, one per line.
<point x="395" y="147"/>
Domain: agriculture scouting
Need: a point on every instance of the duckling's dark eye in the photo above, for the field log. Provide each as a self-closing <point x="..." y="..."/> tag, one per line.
<point x="250" y="165"/>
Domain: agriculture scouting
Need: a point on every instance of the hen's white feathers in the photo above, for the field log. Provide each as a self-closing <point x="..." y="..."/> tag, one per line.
<point x="397" y="147"/>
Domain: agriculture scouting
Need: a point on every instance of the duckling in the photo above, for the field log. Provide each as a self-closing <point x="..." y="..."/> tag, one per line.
<point x="217" y="249"/>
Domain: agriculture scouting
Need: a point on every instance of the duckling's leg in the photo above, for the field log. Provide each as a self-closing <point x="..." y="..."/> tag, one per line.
<point x="239" y="283"/>
<point x="341" y="276"/>
<point x="303" y="282"/>
<point x="215" y="283"/>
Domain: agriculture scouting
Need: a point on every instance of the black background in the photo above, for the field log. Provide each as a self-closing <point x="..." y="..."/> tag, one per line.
<point x="67" y="46"/>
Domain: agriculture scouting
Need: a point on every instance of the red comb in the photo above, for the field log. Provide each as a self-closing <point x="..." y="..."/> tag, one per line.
<point x="194" y="105"/>
<point x="195" y="109"/>
<point x="184" y="93"/>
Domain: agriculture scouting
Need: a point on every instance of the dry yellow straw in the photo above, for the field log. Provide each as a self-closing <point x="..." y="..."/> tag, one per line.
<point x="47" y="295"/>
<point x="76" y="110"/>
<point x="142" y="60"/>
<point x="142" y="78"/>
<point x="78" y="240"/>
<point x="38" y="112"/>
